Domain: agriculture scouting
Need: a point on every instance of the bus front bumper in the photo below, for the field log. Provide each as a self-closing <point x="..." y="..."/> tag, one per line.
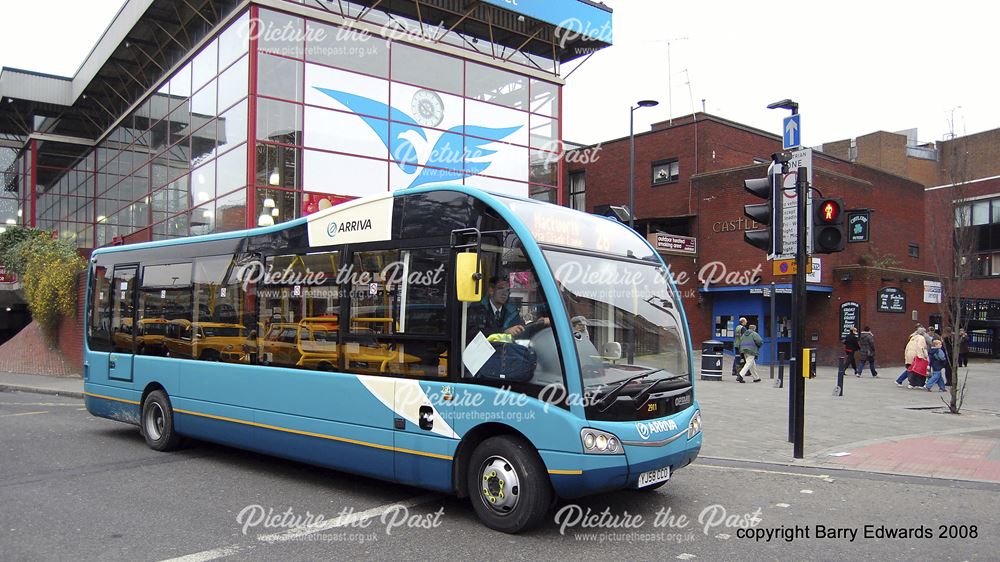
<point x="577" y="474"/>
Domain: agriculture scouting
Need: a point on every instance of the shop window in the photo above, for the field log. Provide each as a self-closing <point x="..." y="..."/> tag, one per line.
<point x="279" y="121"/>
<point x="231" y="170"/>
<point x="493" y="85"/>
<point x="234" y="41"/>
<point x="346" y="48"/>
<point x="231" y="211"/>
<point x="666" y="171"/>
<point x="426" y="68"/>
<point x="232" y="128"/>
<point x="279" y="77"/>
<point x="275" y="205"/>
<point x="723" y="326"/>
<point x="233" y="85"/>
<point x="278" y="166"/>
<point x="544" y="98"/>
<point x="281" y="34"/>
<point x="205" y="65"/>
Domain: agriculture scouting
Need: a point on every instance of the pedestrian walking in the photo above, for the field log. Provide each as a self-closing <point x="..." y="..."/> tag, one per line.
<point x="750" y="345"/>
<point x="915" y="347"/>
<point x="948" y="337"/>
<point x="929" y="337"/>
<point x="737" y="338"/>
<point x="851" y="348"/>
<point x="963" y="348"/>
<point x="866" y="344"/>
<point x="938" y="363"/>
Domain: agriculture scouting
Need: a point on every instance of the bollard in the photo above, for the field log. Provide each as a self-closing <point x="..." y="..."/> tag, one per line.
<point x="791" y="402"/>
<point x="780" y="383"/>
<point x="841" y="366"/>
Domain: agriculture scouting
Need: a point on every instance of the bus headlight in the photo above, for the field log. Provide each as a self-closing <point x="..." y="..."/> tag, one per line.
<point x="694" y="426"/>
<point x="597" y="442"/>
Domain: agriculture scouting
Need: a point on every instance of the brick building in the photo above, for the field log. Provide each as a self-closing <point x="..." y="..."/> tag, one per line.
<point x="962" y="181"/>
<point x="689" y="195"/>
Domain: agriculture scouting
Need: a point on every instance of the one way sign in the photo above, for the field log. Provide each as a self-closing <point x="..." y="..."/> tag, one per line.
<point x="792" y="137"/>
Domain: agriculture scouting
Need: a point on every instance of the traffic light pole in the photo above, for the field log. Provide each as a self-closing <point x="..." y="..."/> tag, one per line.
<point x="797" y="386"/>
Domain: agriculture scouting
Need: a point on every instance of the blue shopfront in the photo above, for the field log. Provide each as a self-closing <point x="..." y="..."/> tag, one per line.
<point x="753" y="302"/>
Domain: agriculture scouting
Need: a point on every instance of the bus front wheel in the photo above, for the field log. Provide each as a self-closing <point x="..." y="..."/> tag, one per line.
<point x="157" y="424"/>
<point x="508" y="484"/>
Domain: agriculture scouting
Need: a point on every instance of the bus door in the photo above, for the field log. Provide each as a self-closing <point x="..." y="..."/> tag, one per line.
<point x="123" y="326"/>
<point x="417" y="282"/>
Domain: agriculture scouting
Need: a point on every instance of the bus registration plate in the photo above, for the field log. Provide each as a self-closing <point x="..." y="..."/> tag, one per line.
<point x="653" y="476"/>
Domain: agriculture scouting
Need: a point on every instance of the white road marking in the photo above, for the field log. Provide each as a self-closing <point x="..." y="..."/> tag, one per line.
<point x="782" y="505"/>
<point x="805" y="491"/>
<point x="207" y="555"/>
<point x="305" y="530"/>
<point x="22" y="414"/>
<point x="761" y="470"/>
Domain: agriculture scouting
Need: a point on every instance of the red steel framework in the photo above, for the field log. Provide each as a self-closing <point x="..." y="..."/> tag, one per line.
<point x="251" y="214"/>
<point x="34" y="181"/>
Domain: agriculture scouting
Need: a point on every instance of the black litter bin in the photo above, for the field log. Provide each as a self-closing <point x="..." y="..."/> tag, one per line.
<point x="711" y="360"/>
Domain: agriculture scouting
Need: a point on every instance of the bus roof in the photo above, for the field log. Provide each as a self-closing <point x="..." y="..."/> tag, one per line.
<point x="369" y="218"/>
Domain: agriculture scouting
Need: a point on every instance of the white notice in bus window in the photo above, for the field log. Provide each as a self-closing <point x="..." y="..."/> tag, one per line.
<point x="477" y="353"/>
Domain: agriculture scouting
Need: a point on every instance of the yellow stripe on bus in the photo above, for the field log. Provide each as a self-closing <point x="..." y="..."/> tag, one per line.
<point x="570" y="472"/>
<point x="111" y="398"/>
<point x="319" y="435"/>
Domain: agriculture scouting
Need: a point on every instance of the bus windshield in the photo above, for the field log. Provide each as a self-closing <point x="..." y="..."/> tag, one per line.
<point x="626" y="322"/>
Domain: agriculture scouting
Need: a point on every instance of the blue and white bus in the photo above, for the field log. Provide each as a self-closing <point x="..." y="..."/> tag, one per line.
<point x="489" y="346"/>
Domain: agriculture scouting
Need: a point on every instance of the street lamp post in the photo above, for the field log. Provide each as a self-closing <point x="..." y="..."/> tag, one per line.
<point x="631" y="158"/>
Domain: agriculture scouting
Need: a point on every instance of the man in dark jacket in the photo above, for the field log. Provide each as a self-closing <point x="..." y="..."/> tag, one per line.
<point x="866" y="343"/>
<point x="738" y="360"/>
<point x="750" y="345"/>
<point x="851" y="348"/>
<point x="496" y="315"/>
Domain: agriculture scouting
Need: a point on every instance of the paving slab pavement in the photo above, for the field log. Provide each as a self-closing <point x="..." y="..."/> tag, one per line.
<point x="42" y="384"/>
<point x="875" y="426"/>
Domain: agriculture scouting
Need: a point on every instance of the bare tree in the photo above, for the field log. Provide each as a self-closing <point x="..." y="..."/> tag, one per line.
<point x="953" y="255"/>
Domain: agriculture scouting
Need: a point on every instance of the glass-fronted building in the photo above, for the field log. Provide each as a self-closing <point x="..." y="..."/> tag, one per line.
<point x="223" y="115"/>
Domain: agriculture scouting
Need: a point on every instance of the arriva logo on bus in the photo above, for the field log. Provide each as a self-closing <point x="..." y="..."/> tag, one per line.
<point x="647" y="429"/>
<point x="349" y="226"/>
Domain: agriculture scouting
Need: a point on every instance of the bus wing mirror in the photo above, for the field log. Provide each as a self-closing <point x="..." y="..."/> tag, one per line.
<point x="468" y="278"/>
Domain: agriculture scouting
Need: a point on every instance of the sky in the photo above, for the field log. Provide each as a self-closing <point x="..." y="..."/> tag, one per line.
<point x="854" y="67"/>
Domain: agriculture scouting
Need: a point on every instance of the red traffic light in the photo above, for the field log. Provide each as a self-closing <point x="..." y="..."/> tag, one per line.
<point x="829" y="211"/>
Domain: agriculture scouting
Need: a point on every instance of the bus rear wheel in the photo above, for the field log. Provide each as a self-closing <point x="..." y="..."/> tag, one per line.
<point x="157" y="422"/>
<point x="508" y="484"/>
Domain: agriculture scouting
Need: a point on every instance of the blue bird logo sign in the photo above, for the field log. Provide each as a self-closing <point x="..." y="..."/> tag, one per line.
<point x="452" y="155"/>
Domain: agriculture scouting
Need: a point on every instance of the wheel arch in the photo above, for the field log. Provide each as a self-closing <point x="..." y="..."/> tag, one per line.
<point x="469" y="442"/>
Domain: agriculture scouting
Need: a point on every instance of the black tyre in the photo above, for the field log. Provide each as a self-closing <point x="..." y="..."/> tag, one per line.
<point x="210" y="355"/>
<point x="508" y="484"/>
<point x="157" y="422"/>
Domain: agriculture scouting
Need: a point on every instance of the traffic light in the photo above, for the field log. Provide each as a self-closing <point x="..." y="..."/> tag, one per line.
<point x="829" y="226"/>
<point x="769" y="188"/>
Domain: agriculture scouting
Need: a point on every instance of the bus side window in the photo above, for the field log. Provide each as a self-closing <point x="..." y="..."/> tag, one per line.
<point x="398" y="316"/>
